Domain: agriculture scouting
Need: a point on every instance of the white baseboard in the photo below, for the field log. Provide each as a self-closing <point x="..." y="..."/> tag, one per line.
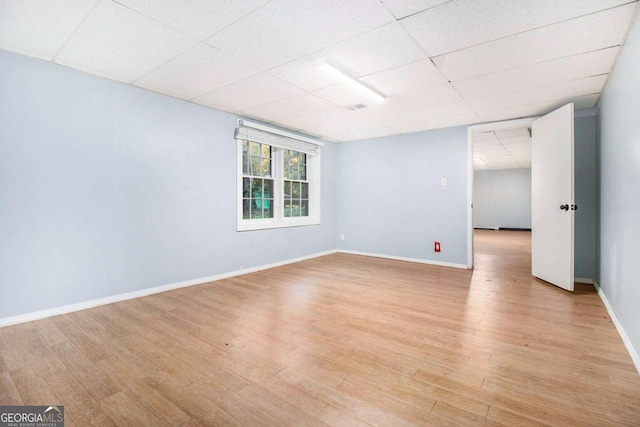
<point x="29" y="317"/>
<point x="635" y="357"/>
<point x="401" y="258"/>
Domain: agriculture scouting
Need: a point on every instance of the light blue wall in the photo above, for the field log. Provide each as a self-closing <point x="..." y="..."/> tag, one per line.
<point x="390" y="200"/>
<point x="585" y="196"/>
<point x="502" y="198"/>
<point x="107" y="189"/>
<point x="619" y="162"/>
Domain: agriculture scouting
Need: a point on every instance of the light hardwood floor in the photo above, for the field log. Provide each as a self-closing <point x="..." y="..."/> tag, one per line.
<point x="338" y="340"/>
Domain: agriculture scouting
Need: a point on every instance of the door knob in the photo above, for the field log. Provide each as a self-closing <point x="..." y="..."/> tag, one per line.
<point x="574" y="207"/>
<point x="564" y="207"/>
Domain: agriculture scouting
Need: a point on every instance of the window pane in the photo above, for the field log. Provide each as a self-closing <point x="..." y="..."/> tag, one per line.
<point x="287" y="211"/>
<point x="304" y="208"/>
<point x="254" y="149"/>
<point x="246" y="208"/>
<point x="295" y="208"/>
<point x="268" y="208"/>
<point x="305" y="190"/>
<point x="256" y="188"/>
<point x="295" y="189"/>
<point x="303" y="172"/>
<point x="245" y="157"/>
<point x="254" y="166"/>
<point x="266" y="167"/>
<point x="266" y="151"/>
<point x="287" y="189"/>
<point x="256" y="212"/>
<point x="268" y="188"/>
<point x="246" y="187"/>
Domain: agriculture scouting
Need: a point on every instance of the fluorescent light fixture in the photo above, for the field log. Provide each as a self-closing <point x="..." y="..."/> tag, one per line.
<point x="353" y="81"/>
<point x="479" y="159"/>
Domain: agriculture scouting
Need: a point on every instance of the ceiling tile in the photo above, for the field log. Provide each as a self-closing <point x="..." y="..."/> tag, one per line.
<point x="406" y="78"/>
<point x="597" y="31"/>
<point x="536" y="94"/>
<point x="404" y="8"/>
<point x="257" y="90"/>
<point x="355" y="133"/>
<point x="294" y="106"/>
<point x="558" y="70"/>
<point x="116" y="42"/>
<point x="460" y="24"/>
<point x="377" y="50"/>
<point x="263" y="40"/>
<point x="305" y="74"/>
<point x="445" y="122"/>
<point x="336" y="122"/>
<point x="311" y="121"/>
<point x="485" y="136"/>
<point x="40" y="28"/>
<point x="196" y="72"/>
<point x="540" y="108"/>
<point x="442" y="94"/>
<point x="200" y="19"/>
<point x="344" y="95"/>
<point x="512" y="133"/>
<point x="433" y="112"/>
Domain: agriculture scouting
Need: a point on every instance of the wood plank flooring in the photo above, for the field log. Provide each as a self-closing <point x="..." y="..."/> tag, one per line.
<point x="338" y="340"/>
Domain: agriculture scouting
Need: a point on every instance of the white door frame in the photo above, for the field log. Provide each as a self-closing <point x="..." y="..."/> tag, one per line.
<point x="507" y="124"/>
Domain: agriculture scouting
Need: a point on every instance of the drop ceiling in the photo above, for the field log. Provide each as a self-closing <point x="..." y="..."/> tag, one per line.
<point x="440" y="63"/>
<point x="501" y="149"/>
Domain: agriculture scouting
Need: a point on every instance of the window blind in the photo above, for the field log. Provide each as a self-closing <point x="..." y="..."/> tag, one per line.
<point x="277" y="138"/>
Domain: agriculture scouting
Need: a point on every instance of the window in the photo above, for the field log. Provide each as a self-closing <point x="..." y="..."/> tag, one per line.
<point x="278" y="178"/>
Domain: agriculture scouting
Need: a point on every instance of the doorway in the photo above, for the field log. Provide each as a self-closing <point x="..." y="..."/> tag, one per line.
<point x="501" y="154"/>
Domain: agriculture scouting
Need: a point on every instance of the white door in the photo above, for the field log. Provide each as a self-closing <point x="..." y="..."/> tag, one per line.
<point x="552" y="192"/>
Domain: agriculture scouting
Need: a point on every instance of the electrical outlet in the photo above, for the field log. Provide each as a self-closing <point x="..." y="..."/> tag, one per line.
<point x="241" y="267"/>
<point x="436" y="246"/>
<point x="443" y="182"/>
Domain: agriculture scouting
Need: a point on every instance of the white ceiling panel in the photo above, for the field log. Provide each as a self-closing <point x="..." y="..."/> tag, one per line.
<point x="40" y="28"/>
<point x="407" y="78"/>
<point x="460" y="24"/>
<point x="597" y="31"/>
<point x="334" y="122"/>
<point x="311" y="121"/>
<point x="543" y="73"/>
<point x="196" y="72"/>
<point x="344" y="94"/>
<point x="534" y="94"/>
<point x="116" y="42"/>
<point x="197" y="18"/>
<point x="511" y="133"/>
<point x="440" y="111"/>
<point x="294" y="106"/>
<point x="284" y="30"/>
<point x="377" y="50"/>
<point x="252" y="92"/>
<point x="404" y="8"/>
<point x="409" y="101"/>
<point x="305" y="74"/>
<point x="259" y="58"/>
<point x="485" y="136"/>
<point x="530" y="110"/>
<point x="445" y="122"/>
<point x="354" y="133"/>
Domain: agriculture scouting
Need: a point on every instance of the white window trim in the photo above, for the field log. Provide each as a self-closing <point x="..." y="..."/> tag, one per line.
<point x="267" y="135"/>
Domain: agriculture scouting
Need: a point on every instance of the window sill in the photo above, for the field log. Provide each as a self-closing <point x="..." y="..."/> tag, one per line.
<point x="269" y="224"/>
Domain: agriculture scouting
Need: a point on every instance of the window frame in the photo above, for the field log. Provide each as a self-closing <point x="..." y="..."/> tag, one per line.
<point x="310" y="147"/>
